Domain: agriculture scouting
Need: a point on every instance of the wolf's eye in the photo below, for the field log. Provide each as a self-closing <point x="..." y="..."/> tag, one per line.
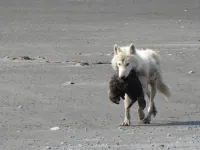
<point x="119" y="64"/>
<point x="127" y="64"/>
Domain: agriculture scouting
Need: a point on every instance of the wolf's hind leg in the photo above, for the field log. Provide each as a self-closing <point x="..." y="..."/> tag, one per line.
<point x="151" y="109"/>
<point x="141" y="113"/>
<point x="142" y="105"/>
<point x="143" y="81"/>
<point x="127" y="116"/>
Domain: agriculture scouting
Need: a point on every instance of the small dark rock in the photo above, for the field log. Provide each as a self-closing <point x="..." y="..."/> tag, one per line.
<point x="70" y="82"/>
<point x="25" y="58"/>
<point x="14" y="58"/>
<point x="191" y="72"/>
<point x="41" y="57"/>
<point x="99" y="63"/>
<point x="162" y="145"/>
<point x="84" y="64"/>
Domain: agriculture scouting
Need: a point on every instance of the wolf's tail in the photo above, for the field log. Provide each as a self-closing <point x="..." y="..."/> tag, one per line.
<point x="163" y="88"/>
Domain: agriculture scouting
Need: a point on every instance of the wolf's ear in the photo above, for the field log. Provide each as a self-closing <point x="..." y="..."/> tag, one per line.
<point x="116" y="49"/>
<point x="132" y="48"/>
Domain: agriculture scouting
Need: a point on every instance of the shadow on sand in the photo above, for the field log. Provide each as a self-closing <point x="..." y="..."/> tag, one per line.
<point x="171" y="123"/>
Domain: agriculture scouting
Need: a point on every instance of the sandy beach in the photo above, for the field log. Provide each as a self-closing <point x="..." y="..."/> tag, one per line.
<point x="55" y="66"/>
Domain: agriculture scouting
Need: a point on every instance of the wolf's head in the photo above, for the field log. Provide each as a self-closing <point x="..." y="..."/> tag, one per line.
<point x="124" y="60"/>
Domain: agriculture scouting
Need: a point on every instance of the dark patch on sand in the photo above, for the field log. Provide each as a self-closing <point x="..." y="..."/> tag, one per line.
<point x="101" y="63"/>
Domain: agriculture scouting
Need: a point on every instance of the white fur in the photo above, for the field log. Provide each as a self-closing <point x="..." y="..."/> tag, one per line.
<point x="147" y="64"/>
<point x="139" y="61"/>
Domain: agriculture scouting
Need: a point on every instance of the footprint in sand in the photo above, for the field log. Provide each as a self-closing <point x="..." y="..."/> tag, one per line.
<point x="24" y="58"/>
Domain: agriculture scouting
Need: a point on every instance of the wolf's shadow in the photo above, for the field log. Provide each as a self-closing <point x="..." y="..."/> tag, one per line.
<point x="171" y="123"/>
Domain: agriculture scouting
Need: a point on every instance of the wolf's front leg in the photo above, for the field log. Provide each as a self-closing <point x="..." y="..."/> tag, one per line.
<point x="144" y="82"/>
<point x="127" y="116"/>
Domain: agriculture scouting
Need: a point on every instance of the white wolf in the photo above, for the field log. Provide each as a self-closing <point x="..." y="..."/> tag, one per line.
<point x="147" y="65"/>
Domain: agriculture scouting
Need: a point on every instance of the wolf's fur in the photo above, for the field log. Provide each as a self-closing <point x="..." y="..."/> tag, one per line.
<point x="147" y="65"/>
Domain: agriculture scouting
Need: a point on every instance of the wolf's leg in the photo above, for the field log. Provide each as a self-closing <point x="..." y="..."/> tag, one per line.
<point x="141" y="113"/>
<point x="144" y="82"/>
<point x="127" y="116"/>
<point x="151" y="103"/>
<point x="142" y="105"/>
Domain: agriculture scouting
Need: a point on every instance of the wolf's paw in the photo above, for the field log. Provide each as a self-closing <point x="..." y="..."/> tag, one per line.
<point x="141" y="115"/>
<point x="145" y="121"/>
<point x="126" y="122"/>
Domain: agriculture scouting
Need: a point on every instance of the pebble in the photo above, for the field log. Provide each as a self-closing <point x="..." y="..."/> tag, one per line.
<point x="62" y="143"/>
<point x="120" y="128"/>
<point x="19" y="107"/>
<point x="190" y="72"/>
<point x="86" y="130"/>
<point x="47" y="147"/>
<point x="41" y="57"/>
<point x="26" y="58"/>
<point x="6" y="57"/>
<point x="168" y="135"/>
<point x="68" y="83"/>
<point x="82" y="64"/>
<point x="54" y="128"/>
<point x="162" y="145"/>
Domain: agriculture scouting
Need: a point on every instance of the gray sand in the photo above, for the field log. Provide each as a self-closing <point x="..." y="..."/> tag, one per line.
<point x="55" y="89"/>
